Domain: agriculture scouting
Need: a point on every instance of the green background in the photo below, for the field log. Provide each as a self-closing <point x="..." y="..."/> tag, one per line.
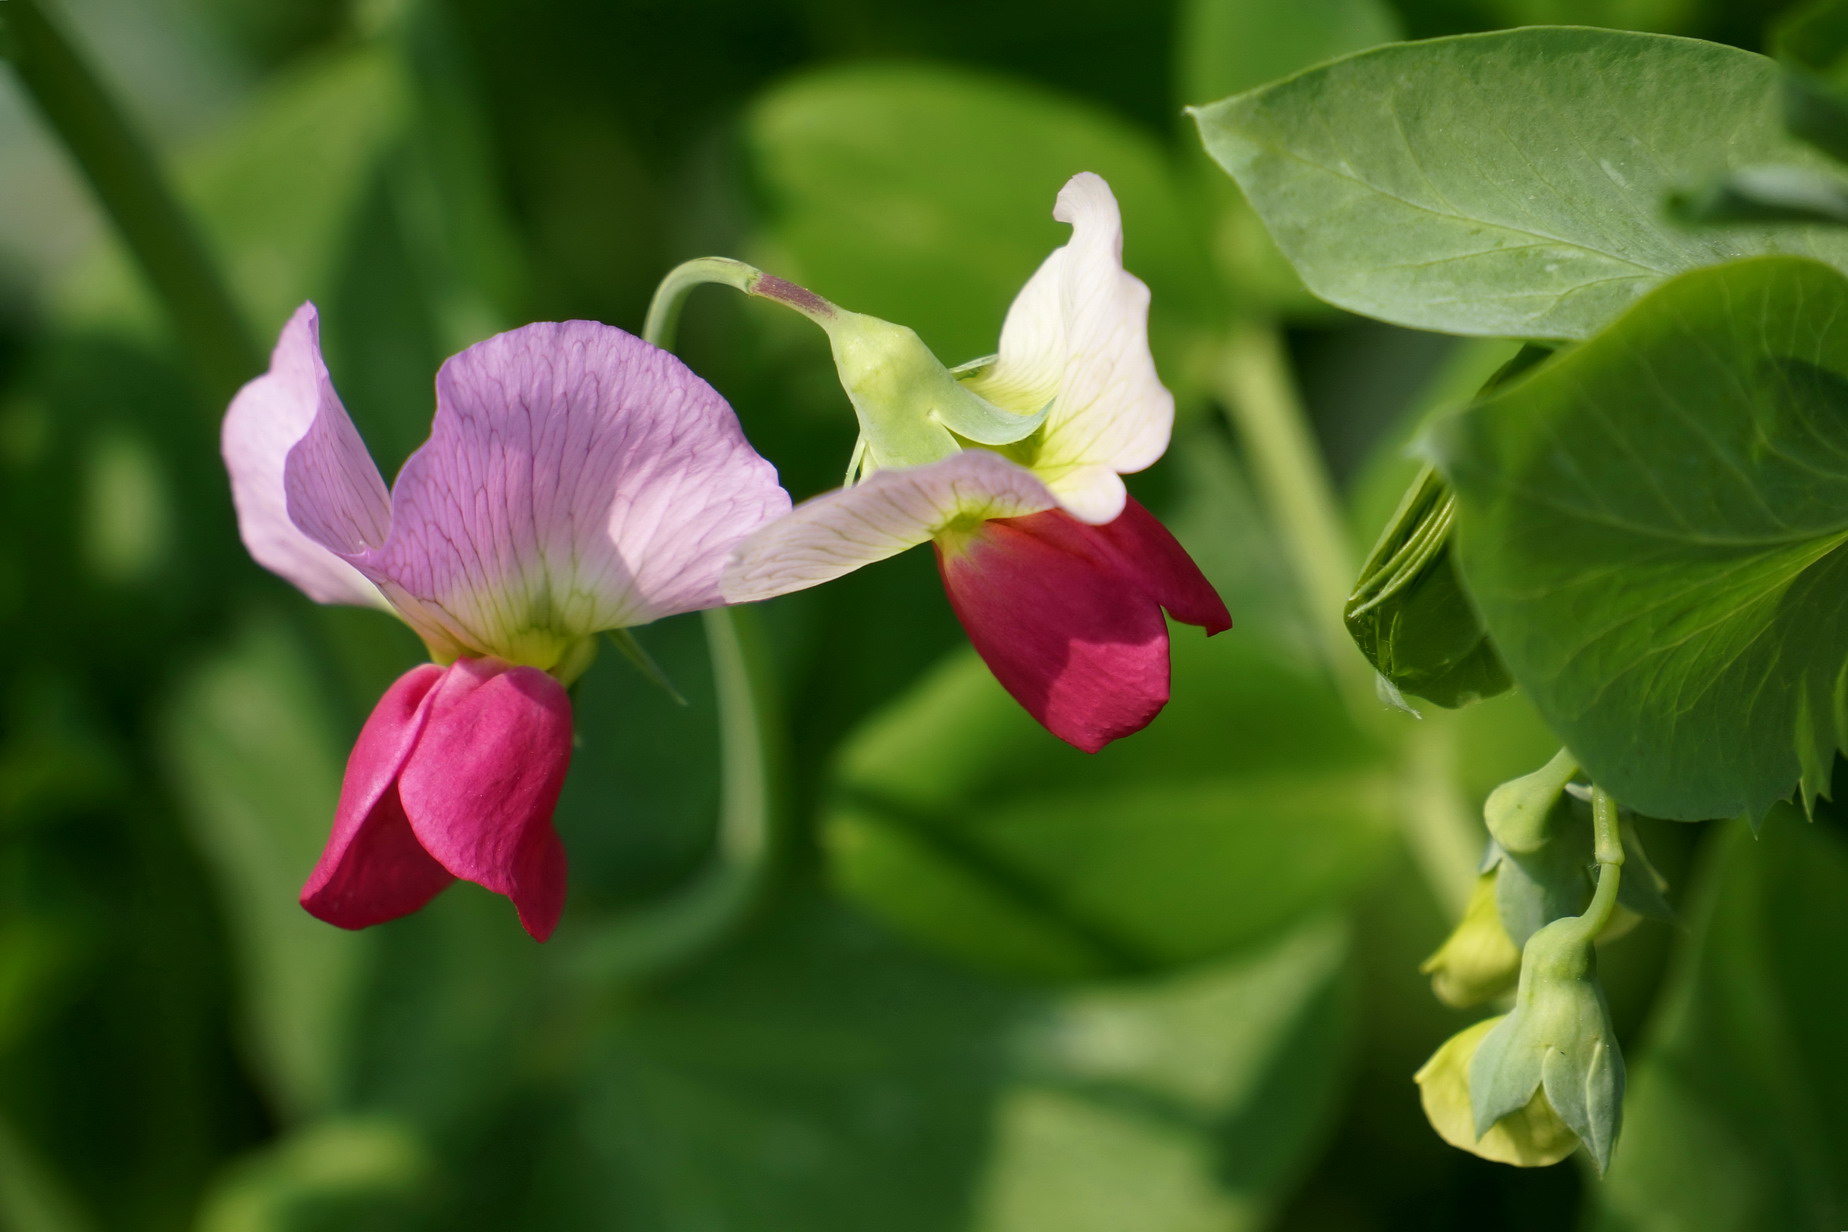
<point x="999" y="986"/>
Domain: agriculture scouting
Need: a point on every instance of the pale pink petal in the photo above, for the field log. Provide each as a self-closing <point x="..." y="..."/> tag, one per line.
<point x="1068" y="616"/>
<point x="889" y="511"/>
<point x="1077" y="337"/>
<point x="482" y="783"/>
<point x="269" y="417"/>
<point x="576" y="479"/>
<point x="373" y="868"/>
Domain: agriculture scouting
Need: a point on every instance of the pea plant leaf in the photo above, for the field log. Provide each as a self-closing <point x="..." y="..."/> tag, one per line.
<point x="953" y="817"/>
<point x="1738" y="1113"/>
<point x="1408" y="613"/>
<point x="1507" y="184"/>
<point x="824" y="1076"/>
<point x="1651" y="525"/>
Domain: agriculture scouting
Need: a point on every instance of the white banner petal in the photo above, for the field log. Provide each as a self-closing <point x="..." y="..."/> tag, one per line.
<point x="1077" y="337"/>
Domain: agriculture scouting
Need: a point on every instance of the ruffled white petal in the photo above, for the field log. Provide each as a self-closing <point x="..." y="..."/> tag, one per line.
<point x="1076" y="338"/>
<point x="834" y="534"/>
<point x="269" y="417"/>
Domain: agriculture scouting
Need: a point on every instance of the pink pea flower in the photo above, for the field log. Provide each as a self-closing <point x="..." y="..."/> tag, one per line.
<point x="576" y="479"/>
<point x="1058" y="576"/>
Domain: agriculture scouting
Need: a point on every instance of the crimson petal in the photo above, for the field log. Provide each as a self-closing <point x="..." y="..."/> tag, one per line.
<point x="373" y="868"/>
<point x="1069" y="616"/>
<point x="481" y="785"/>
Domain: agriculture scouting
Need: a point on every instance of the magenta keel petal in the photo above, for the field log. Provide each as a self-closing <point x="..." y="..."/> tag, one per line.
<point x="1071" y="623"/>
<point x="481" y="785"/>
<point x="373" y="868"/>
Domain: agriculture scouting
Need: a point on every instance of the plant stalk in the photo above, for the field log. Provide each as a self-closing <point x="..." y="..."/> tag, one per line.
<point x="1262" y="404"/>
<point x="129" y="185"/>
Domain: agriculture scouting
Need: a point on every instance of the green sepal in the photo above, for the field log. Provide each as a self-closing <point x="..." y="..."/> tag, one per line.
<point x="1535" y="888"/>
<point x="1533" y="1137"/>
<point x="644" y="663"/>
<point x="911" y="408"/>
<point x="1558" y="1041"/>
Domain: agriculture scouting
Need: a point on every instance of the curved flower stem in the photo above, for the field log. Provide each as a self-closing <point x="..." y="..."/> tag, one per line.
<point x="749" y="847"/>
<point x="664" y="310"/>
<point x="666" y="935"/>
<point x="1607" y="846"/>
<point x="132" y="190"/>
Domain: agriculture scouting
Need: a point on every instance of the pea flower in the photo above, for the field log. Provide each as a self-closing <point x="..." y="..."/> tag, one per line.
<point x="1531" y="1136"/>
<point x="1556" y="1049"/>
<point x="576" y="479"/>
<point x="1011" y="468"/>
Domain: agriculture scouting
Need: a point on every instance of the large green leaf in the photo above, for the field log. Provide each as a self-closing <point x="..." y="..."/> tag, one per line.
<point x="1249" y="804"/>
<point x="1226" y="46"/>
<point x="1506" y="184"/>
<point x="1651" y="526"/>
<point x="823" y="1077"/>
<point x="1737" y="1118"/>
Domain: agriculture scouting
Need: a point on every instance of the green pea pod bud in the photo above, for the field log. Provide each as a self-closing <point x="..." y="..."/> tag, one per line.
<point x="1477" y="961"/>
<point x="1557" y="1044"/>
<point x="1519" y="810"/>
<point x="1530" y="1137"/>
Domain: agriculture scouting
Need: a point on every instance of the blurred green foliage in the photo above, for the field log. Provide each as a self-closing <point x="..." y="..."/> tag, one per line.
<point x="1002" y="987"/>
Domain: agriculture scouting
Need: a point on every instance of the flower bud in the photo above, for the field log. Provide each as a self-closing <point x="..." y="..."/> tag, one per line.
<point x="1530" y="1137"/>
<point x="1477" y="961"/>
<point x="1518" y="812"/>
<point x="1557" y="1045"/>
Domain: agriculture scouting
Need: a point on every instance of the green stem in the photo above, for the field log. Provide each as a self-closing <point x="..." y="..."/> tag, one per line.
<point x="663" y="318"/>
<point x="1442" y="834"/>
<point x="33" y="1200"/>
<point x="1261" y="401"/>
<point x="751" y="838"/>
<point x="132" y="190"/>
<point x="1607" y="845"/>
<point x="669" y="934"/>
